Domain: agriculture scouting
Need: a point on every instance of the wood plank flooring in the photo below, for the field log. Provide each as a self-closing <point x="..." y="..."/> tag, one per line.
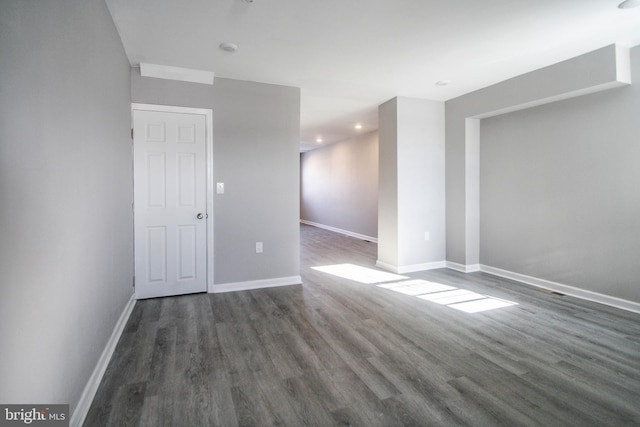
<point x="339" y="352"/>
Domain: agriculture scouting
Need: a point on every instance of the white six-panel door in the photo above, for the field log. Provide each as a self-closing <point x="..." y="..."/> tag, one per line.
<point x="170" y="206"/>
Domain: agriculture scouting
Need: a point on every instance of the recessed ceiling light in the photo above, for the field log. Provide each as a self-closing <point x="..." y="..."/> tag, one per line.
<point x="629" y="4"/>
<point x="358" y="126"/>
<point x="318" y="140"/>
<point x="229" y="47"/>
<point x="443" y="82"/>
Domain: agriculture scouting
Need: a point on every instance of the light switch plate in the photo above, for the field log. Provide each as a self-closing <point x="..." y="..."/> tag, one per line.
<point x="220" y="187"/>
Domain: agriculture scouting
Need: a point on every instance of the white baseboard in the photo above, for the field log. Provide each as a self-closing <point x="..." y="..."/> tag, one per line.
<point x="89" y="392"/>
<point x="341" y="231"/>
<point x="256" y="284"/>
<point x="383" y="265"/>
<point x="410" y="268"/>
<point x="462" y="267"/>
<point x="564" y="289"/>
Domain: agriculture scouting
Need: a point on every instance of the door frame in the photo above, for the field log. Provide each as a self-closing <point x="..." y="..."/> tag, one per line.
<point x="209" y="184"/>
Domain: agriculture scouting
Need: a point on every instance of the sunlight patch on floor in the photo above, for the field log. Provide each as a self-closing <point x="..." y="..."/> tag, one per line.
<point x="364" y="275"/>
<point x="452" y="297"/>
<point x="416" y="287"/>
<point x="487" y="303"/>
<point x="460" y="299"/>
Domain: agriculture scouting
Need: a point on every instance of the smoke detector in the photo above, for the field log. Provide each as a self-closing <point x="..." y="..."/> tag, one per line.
<point x="229" y="47"/>
<point x="629" y="4"/>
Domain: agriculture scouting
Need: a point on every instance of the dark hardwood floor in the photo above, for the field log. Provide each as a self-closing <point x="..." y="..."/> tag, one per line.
<point x="340" y="352"/>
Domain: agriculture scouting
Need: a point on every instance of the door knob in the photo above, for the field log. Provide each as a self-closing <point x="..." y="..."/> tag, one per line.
<point x="199" y="216"/>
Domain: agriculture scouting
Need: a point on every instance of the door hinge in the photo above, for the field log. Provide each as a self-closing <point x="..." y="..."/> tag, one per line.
<point x="131" y="133"/>
<point x="134" y="282"/>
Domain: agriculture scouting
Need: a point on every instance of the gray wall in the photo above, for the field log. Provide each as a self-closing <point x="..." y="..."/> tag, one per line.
<point x="339" y="185"/>
<point x="66" y="255"/>
<point x="256" y="131"/>
<point x="560" y="191"/>
<point x="597" y="70"/>
<point x="388" y="182"/>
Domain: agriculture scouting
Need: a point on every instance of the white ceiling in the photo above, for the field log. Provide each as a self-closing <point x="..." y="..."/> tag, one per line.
<point x="349" y="56"/>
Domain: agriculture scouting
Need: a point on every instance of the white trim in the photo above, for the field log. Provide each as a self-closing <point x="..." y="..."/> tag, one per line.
<point x="471" y="268"/>
<point x="410" y="268"/>
<point x="256" y="284"/>
<point x="385" y="266"/>
<point x="176" y="73"/>
<point x="565" y="289"/>
<point x="561" y="97"/>
<point x="170" y="108"/>
<point x="210" y="198"/>
<point x="623" y="64"/>
<point x="89" y="392"/>
<point x="341" y="231"/>
<point x="208" y="113"/>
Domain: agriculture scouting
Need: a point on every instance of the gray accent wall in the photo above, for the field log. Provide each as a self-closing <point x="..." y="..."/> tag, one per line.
<point x="542" y="178"/>
<point x="595" y="71"/>
<point x="560" y="191"/>
<point x="66" y="240"/>
<point x="256" y="129"/>
<point x="339" y="185"/>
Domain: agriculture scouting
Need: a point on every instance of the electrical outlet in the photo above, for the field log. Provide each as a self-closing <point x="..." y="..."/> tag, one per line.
<point x="258" y="247"/>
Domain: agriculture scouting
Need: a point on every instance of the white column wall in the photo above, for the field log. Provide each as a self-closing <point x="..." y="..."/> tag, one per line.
<point x="412" y="187"/>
